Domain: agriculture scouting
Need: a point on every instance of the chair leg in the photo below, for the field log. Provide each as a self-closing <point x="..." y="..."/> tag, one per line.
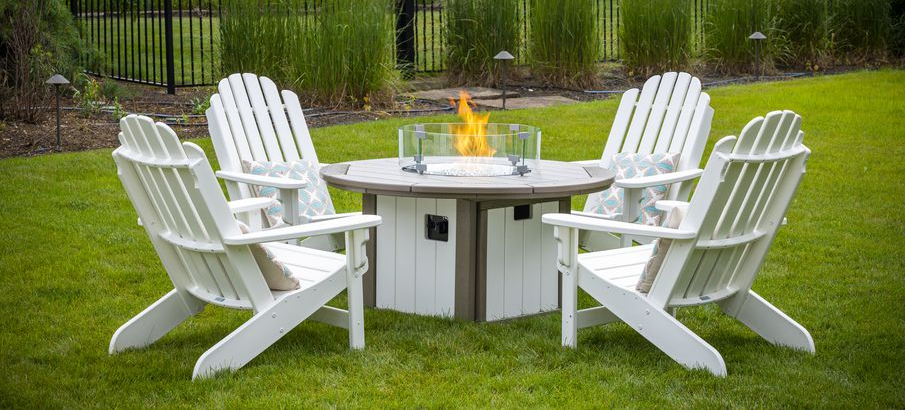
<point x="768" y="321"/>
<point x="356" y="313"/>
<point x="569" y="309"/>
<point x="656" y="325"/>
<point x="265" y="328"/>
<point x="155" y="321"/>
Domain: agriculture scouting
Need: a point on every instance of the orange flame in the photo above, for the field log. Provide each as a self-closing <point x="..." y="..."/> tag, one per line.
<point x="471" y="135"/>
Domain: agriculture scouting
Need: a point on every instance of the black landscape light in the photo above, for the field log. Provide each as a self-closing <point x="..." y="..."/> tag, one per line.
<point x="758" y="37"/>
<point x="503" y="57"/>
<point x="56" y="81"/>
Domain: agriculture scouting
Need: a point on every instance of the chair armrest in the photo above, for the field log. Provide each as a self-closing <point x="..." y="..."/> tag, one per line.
<point x="260" y="180"/>
<point x="249" y="204"/>
<point x="299" y="231"/>
<point x="587" y="162"/>
<point x="662" y="179"/>
<point x="321" y="218"/>
<point x="667" y="205"/>
<point x="625" y="228"/>
<point x="611" y="217"/>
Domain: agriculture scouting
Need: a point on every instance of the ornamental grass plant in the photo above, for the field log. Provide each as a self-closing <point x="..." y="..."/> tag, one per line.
<point x="727" y="25"/>
<point x="475" y="31"/>
<point x="656" y="35"/>
<point x="563" y="42"/>
<point x="805" y="25"/>
<point x="337" y="53"/>
<point x="861" y="30"/>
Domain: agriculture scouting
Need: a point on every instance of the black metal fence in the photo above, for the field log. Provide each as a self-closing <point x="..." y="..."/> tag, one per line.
<point x="171" y="43"/>
<point x="176" y="43"/>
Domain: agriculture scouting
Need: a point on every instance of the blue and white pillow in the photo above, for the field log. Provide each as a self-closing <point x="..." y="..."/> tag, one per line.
<point x="314" y="199"/>
<point x="627" y="166"/>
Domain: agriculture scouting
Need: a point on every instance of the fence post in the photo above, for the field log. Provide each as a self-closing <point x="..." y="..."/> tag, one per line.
<point x="405" y="37"/>
<point x="171" y="61"/>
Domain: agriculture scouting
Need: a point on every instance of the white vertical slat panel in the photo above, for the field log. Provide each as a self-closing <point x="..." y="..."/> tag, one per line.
<point x="406" y="235"/>
<point x="657" y="113"/>
<point x="668" y="129"/>
<point x="620" y="126"/>
<point x="549" y="280"/>
<point x="425" y="259"/>
<point x="689" y="111"/>
<point x="642" y="110"/>
<point x="262" y="117"/>
<point x="496" y="265"/>
<point x="514" y="254"/>
<point x="299" y="126"/>
<point x="446" y="262"/>
<point x="386" y="252"/>
<point x="280" y="122"/>
<point x="243" y="106"/>
<point x="532" y="243"/>
<point x="233" y="125"/>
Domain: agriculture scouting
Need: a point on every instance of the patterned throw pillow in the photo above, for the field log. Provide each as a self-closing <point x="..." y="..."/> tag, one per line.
<point x="661" y="247"/>
<point x="627" y="166"/>
<point x="314" y="199"/>
<point x="276" y="274"/>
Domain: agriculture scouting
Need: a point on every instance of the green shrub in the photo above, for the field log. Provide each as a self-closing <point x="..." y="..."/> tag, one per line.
<point x="805" y="25"/>
<point x="37" y="39"/>
<point x="727" y="25"/>
<point x="562" y="42"/>
<point x="656" y="35"/>
<point x="861" y="29"/>
<point x="475" y="31"/>
<point x="335" y="54"/>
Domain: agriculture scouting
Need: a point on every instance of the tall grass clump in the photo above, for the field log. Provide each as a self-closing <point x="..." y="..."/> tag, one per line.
<point x="897" y="46"/>
<point x="337" y="53"/>
<point x="805" y="25"/>
<point x="351" y="60"/>
<point x="475" y="31"/>
<point x="656" y="35"/>
<point x="861" y="29"/>
<point x="728" y="24"/>
<point x="261" y="37"/>
<point x="562" y="42"/>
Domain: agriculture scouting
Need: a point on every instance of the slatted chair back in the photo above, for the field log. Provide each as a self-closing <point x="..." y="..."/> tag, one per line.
<point x="185" y="214"/>
<point x="249" y="120"/>
<point x="670" y="114"/>
<point x="737" y="208"/>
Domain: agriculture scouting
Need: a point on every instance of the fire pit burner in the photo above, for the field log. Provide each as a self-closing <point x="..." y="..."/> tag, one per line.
<point x="469" y="149"/>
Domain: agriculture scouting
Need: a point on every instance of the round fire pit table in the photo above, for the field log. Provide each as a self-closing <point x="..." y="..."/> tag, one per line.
<point x="473" y="248"/>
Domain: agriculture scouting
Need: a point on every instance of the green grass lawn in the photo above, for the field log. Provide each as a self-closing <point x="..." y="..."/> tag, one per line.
<point x="75" y="266"/>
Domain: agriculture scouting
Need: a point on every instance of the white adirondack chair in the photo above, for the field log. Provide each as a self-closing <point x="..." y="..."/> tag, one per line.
<point x="249" y="121"/>
<point x="209" y="260"/>
<point x="714" y="257"/>
<point x="669" y="115"/>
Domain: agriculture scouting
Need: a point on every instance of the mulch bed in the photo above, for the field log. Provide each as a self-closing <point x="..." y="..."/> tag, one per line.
<point x="81" y="133"/>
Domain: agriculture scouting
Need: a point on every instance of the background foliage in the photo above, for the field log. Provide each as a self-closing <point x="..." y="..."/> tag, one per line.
<point x="337" y="54"/>
<point x="656" y="35"/>
<point x="475" y="31"/>
<point x="37" y="39"/>
<point x="562" y="42"/>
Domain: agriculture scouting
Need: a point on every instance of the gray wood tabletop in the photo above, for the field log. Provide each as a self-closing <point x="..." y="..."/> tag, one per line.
<point x="550" y="179"/>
